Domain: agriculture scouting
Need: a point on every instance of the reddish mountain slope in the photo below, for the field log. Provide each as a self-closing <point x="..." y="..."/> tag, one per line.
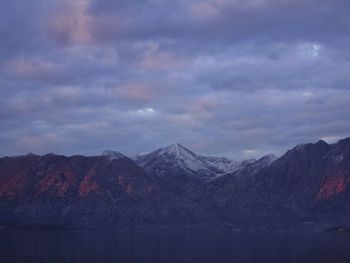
<point x="86" y="192"/>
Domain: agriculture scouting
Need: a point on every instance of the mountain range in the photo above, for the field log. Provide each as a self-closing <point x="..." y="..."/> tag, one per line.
<point x="307" y="188"/>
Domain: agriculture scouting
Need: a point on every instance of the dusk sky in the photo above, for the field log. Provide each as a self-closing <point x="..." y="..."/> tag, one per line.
<point x="235" y="78"/>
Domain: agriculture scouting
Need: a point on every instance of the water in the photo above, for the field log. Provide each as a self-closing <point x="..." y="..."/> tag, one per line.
<point x="163" y="247"/>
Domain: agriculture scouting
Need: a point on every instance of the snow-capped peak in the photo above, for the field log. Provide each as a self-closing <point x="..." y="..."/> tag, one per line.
<point x="180" y="152"/>
<point x="184" y="158"/>
<point x="113" y="154"/>
<point x="176" y="157"/>
<point x="175" y="149"/>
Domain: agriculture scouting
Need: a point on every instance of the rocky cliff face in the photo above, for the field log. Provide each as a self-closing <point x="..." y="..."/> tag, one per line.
<point x="174" y="186"/>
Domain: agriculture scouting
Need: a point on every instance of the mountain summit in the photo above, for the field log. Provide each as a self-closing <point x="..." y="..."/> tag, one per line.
<point x="184" y="172"/>
<point x="176" y="158"/>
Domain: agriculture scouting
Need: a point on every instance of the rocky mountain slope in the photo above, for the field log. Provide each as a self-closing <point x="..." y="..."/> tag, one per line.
<point x="184" y="172"/>
<point x="53" y="190"/>
<point x="310" y="183"/>
<point x="174" y="186"/>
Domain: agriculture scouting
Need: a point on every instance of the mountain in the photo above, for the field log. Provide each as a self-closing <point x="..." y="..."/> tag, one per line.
<point x="176" y="158"/>
<point x="178" y="170"/>
<point x="223" y="165"/>
<point x="113" y="154"/>
<point x="306" y="188"/>
<point x="250" y="166"/>
<point x="87" y="192"/>
<point x="310" y="183"/>
<point x="184" y="172"/>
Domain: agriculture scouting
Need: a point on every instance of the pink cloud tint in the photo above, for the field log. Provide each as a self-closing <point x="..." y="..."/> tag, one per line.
<point x="71" y="24"/>
<point x="136" y="92"/>
<point x="29" y="68"/>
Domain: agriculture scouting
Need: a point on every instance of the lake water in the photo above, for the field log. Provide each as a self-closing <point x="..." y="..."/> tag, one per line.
<point x="163" y="247"/>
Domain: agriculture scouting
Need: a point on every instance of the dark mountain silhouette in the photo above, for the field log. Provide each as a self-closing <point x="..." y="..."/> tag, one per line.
<point x="174" y="186"/>
<point x="101" y="191"/>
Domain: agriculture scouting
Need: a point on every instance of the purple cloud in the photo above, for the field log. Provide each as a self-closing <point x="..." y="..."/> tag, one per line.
<point x="225" y="77"/>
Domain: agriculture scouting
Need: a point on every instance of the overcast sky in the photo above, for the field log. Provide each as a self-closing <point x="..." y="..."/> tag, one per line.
<point x="236" y="78"/>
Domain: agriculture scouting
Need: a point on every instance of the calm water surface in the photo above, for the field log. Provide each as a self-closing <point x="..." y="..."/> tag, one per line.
<point x="163" y="247"/>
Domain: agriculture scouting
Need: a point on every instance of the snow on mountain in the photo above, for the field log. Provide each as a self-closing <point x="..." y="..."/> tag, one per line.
<point x="267" y="159"/>
<point x="177" y="156"/>
<point x="220" y="163"/>
<point x="115" y="155"/>
<point x="250" y="166"/>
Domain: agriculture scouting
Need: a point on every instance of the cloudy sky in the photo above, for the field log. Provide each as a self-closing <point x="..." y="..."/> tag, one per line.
<point x="237" y="78"/>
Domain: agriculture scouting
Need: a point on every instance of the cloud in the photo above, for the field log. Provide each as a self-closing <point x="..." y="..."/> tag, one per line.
<point x="136" y="92"/>
<point x="37" y="143"/>
<point x="225" y="77"/>
<point x="143" y="113"/>
<point x="70" y="23"/>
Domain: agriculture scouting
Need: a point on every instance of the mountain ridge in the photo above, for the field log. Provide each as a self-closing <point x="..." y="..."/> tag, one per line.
<point x="175" y="186"/>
